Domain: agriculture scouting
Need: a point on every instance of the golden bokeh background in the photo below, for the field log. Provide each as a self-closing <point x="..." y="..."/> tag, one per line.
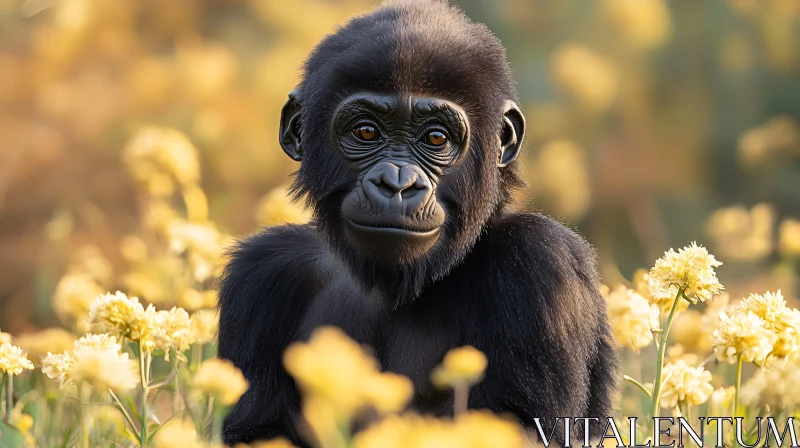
<point x="651" y="124"/>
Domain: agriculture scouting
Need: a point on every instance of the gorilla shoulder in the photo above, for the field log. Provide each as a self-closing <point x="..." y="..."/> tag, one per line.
<point x="278" y="264"/>
<point x="537" y="233"/>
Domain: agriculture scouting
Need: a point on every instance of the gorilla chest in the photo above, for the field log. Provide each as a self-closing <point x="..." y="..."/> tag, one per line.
<point x="409" y="341"/>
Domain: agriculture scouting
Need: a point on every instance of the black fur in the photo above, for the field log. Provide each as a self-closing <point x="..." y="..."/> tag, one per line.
<point x="520" y="287"/>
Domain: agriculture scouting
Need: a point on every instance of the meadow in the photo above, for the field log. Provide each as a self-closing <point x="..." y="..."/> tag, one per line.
<point x="140" y="140"/>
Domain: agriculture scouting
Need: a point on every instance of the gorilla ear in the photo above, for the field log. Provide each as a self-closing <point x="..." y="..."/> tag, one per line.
<point x="511" y="134"/>
<point x="290" y="127"/>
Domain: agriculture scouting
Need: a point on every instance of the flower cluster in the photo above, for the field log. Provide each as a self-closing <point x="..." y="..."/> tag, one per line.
<point x="691" y="269"/>
<point x="159" y="158"/>
<point x="462" y="365"/>
<point x="774" y="389"/>
<point x="761" y="326"/>
<point x="477" y="429"/>
<point x="96" y="360"/>
<point x="126" y="318"/>
<point x="221" y="380"/>
<point x="201" y="241"/>
<point x="13" y="360"/>
<point x="632" y="318"/>
<point x="336" y="371"/>
<point x="684" y="384"/>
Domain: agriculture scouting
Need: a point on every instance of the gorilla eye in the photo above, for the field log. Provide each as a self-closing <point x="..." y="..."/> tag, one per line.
<point x="366" y="133"/>
<point x="436" y="138"/>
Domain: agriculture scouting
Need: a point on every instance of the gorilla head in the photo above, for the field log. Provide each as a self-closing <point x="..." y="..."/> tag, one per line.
<point x="407" y="128"/>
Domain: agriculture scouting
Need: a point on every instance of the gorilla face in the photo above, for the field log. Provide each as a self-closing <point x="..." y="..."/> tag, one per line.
<point x="407" y="131"/>
<point x="401" y="147"/>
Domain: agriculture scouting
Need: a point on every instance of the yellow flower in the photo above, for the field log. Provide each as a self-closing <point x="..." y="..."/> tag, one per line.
<point x="276" y="207"/>
<point x="721" y="401"/>
<point x="5" y="338"/>
<point x="133" y="249"/>
<point x="770" y="306"/>
<point x="203" y="326"/>
<point x="171" y="329"/>
<point x="789" y="239"/>
<point x="786" y="343"/>
<point x="742" y="234"/>
<point x="561" y="179"/>
<point x="192" y="299"/>
<point x="74" y="295"/>
<point x="691" y="268"/>
<point x="90" y="260"/>
<point x="387" y="392"/>
<point x="13" y="360"/>
<point x="325" y="422"/>
<point x="157" y="156"/>
<point x="177" y="433"/>
<point x="44" y="341"/>
<point x="462" y="365"/>
<point x="194" y="237"/>
<point x="107" y="417"/>
<point x="743" y="334"/>
<point x="278" y="442"/>
<point x="101" y="341"/>
<point x="632" y="318"/>
<point x="58" y="367"/>
<point x="645" y="24"/>
<point x="477" y="429"/>
<point x="685" y="384"/>
<point x="778" y="136"/>
<point x="641" y="284"/>
<point x="586" y="75"/>
<point x="777" y="387"/>
<point x="482" y="429"/>
<point x="222" y="380"/>
<point x="408" y="431"/>
<point x="333" y="367"/>
<point x="104" y="368"/>
<point x="202" y="242"/>
<point x="689" y="332"/>
<point x="24" y="423"/>
<point x="783" y="321"/>
<point x="96" y="359"/>
<point x="678" y="352"/>
<point x="121" y="316"/>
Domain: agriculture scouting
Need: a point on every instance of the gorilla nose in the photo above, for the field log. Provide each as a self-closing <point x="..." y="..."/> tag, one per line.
<point x="403" y="188"/>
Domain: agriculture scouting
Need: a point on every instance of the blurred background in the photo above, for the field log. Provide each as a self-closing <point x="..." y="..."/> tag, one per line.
<point x="137" y="137"/>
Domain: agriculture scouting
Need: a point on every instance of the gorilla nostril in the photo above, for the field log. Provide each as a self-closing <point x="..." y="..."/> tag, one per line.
<point x="410" y="192"/>
<point x="386" y="190"/>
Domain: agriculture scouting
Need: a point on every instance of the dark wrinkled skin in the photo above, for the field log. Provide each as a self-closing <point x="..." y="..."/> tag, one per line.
<point x="413" y="249"/>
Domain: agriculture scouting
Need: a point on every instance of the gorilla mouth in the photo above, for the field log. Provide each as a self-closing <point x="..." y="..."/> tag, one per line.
<point x="397" y="227"/>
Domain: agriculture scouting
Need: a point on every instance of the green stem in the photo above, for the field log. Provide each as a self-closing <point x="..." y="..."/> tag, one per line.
<point x="122" y="409"/>
<point x="58" y="416"/>
<point x="684" y="409"/>
<point x="216" y="426"/>
<point x="85" y="394"/>
<point x="738" y="385"/>
<point x="197" y="357"/>
<point x="145" y="389"/>
<point x="177" y="404"/>
<point x="460" y="398"/>
<point x="637" y="384"/>
<point x="662" y="348"/>
<point x="9" y="396"/>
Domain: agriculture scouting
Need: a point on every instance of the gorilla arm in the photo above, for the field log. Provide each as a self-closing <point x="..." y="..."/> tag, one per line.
<point x="264" y="292"/>
<point x="551" y="354"/>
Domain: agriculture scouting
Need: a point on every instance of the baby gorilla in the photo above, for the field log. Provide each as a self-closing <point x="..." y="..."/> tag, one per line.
<point x="407" y="128"/>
